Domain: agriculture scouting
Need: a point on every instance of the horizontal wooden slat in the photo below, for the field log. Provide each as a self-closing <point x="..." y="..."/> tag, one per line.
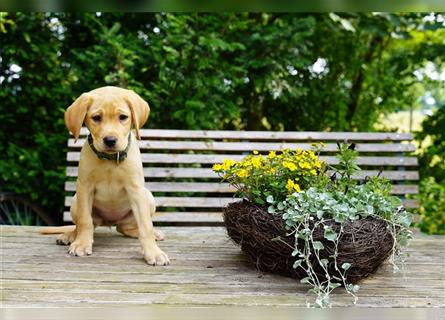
<point x="216" y="158"/>
<point x="186" y="202"/>
<point x="411" y="203"/>
<point x="221" y="187"/>
<point x="208" y="173"/>
<point x="206" y="217"/>
<point x="405" y="189"/>
<point x="260" y="146"/>
<point x="177" y="217"/>
<point x="176" y="187"/>
<point x="207" y="202"/>
<point x="271" y="135"/>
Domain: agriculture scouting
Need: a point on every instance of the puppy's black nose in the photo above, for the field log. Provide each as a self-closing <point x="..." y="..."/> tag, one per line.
<point x="110" y="141"/>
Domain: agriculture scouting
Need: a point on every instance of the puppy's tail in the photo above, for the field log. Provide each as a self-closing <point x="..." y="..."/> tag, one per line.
<point x="57" y="230"/>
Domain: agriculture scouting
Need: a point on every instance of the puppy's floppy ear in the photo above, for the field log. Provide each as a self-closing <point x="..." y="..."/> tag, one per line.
<point x="139" y="111"/>
<point x="75" y="114"/>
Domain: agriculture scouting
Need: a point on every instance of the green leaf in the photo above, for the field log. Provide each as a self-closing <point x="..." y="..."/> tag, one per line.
<point x="334" y="285"/>
<point x="270" y="199"/>
<point x="345" y="266"/>
<point x="318" y="245"/>
<point x="305" y="280"/>
<point x="297" y="264"/>
<point x="330" y="234"/>
<point x="324" y="262"/>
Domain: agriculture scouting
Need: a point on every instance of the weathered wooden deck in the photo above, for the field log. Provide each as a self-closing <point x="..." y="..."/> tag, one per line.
<point x="206" y="269"/>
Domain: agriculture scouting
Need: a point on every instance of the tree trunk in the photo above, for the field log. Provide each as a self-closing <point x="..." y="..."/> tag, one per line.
<point x="357" y="85"/>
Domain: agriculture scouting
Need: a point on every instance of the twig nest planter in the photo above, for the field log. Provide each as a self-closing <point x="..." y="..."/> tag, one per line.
<point x="364" y="243"/>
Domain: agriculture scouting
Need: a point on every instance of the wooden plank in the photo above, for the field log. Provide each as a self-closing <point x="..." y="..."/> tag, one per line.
<point x="215" y="187"/>
<point x="192" y="262"/>
<point x="186" y="217"/>
<point x="176" y="217"/>
<point x="184" y="202"/>
<point x="270" y="135"/>
<point x="411" y="203"/>
<point x="217" y="288"/>
<point x="181" y="233"/>
<point x="405" y="189"/>
<point x="164" y="172"/>
<point x="204" y="202"/>
<point x="200" y="299"/>
<point x="259" y="146"/>
<point x="74" y="156"/>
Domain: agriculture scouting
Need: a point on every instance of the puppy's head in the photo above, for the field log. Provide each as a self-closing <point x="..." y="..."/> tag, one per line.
<point x="109" y="113"/>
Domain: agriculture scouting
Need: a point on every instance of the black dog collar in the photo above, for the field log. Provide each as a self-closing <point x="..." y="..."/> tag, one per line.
<point x="117" y="156"/>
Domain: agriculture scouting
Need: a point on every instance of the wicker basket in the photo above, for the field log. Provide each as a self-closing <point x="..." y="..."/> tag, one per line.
<point x="364" y="243"/>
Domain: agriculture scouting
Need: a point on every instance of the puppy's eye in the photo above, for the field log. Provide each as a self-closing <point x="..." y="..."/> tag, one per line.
<point x="123" y="117"/>
<point x="96" y="118"/>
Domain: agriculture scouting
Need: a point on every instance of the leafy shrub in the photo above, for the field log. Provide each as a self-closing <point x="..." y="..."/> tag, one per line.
<point x="432" y="206"/>
<point x="432" y="172"/>
<point x="432" y="146"/>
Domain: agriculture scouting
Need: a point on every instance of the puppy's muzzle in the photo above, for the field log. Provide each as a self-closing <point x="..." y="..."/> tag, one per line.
<point x="110" y="141"/>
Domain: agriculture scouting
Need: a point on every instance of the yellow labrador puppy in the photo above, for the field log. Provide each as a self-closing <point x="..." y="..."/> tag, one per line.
<point x="110" y="183"/>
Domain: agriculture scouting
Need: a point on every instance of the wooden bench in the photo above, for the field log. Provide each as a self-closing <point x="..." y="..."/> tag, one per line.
<point x="177" y="165"/>
<point x="207" y="269"/>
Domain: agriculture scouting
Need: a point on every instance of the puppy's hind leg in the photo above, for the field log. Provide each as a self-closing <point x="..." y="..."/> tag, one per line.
<point x="130" y="229"/>
<point x="66" y="238"/>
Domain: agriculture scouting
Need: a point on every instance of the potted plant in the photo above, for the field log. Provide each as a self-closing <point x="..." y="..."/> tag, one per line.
<point x="301" y="217"/>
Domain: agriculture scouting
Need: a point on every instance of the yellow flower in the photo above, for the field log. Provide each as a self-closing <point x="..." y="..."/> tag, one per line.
<point x="272" y="154"/>
<point x="227" y="164"/>
<point x="291" y="166"/>
<point x="313" y="172"/>
<point x="256" y="162"/>
<point x="242" y="173"/>
<point x="304" y="165"/>
<point x="255" y="152"/>
<point x="292" y="186"/>
<point x="217" y="167"/>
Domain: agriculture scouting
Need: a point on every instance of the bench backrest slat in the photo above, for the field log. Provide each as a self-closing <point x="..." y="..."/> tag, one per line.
<point x="177" y="165"/>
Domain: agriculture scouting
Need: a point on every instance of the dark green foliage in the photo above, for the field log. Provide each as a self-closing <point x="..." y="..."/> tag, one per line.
<point x="200" y="71"/>
<point x="432" y="210"/>
<point x="432" y="170"/>
<point x="432" y="157"/>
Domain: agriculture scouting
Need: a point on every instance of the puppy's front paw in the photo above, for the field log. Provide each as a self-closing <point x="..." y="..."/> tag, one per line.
<point x="81" y="248"/>
<point x="156" y="257"/>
